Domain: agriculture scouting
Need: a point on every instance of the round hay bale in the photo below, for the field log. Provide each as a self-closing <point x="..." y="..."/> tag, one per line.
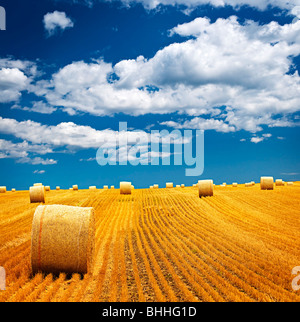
<point x="235" y="184"/>
<point x="151" y="187"/>
<point x="112" y="187"/>
<point x="290" y="183"/>
<point x="169" y="185"/>
<point x="58" y="188"/>
<point x="248" y="184"/>
<point x="62" y="239"/>
<point x="125" y="188"/>
<point x="182" y="185"/>
<point x="37" y="184"/>
<point x="279" y="182"/>
<point x="155" y="186"/>
<point x="205" y="188"/>
<point x="252" y="183"/>
<point x="75" y="187"/>
<point x="71" y="189"/>
<point x="47" y="188"/>
<point x="105" y="187"/>
<point x="266" y="183"/>
<point x="92" y="188"/>
<point x="13" y="190"/>
<point x="177" y="186"/>
<point x="2" y="189"/>
<point x="195" y="185"/>
<point x="224" y="184"/>
<point x="37" y="194"/>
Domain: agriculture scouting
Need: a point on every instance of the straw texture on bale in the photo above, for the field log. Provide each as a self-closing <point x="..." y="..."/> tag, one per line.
<point x="279" y="182"/>
<point x="37" y="194"/>
<point x="169" y="185"/>
<point x="125" y="188"/>
<point x="266" y="183"/>
<point x="234" y="184"/>
<point x="2" y="189"/>
<point x="57" y="188"/>
<point x="37" y="184"/>
<point x="62" y="239"/>
<point x="205" y="188"/>
<point x="47" y="188"/>
<point x="155" y="186"/>
<point x="75" y="187"/>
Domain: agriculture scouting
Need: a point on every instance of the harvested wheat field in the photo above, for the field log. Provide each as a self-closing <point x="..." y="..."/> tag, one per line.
<point x="164" y="245"/>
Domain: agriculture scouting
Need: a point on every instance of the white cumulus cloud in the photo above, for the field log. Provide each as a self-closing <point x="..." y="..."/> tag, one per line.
<point x="56" y="20"/>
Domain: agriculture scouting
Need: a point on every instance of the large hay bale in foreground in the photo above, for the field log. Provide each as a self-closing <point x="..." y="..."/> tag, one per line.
<point x="2" y="189"/>
<point x="205" y="188"/>
<point x="169" y="185"/>
<point x="62" y="239"/>
<point x="279" y="182"/>
<point x="266" y="183"/>
<point x="37" y="194"/>
<point x="125" y="188"/>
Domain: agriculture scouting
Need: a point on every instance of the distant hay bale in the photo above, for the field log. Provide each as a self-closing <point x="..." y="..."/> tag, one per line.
<point x="290" y="183"/>
<point x="155" y="186"/>
<point x="92" y="188"/>
<point x="71" y="189"/>
<point x="279" y="182"/>
<point x="112" y="187"/>
<point x="75" y="187"/>
<point x="205" y="188"/>
<point x="57" y="188"/>
<point x="13" y="190"/>
<point x="234" y="184"/>
<point x="248" y="184"/>
<point x="195" y="185"/>
<point x="151" y="187"/>
<point x="169" y="185"/>
<point x="37" y="194"/>
<point x="105" y="187"/>
<point x="266" y="183"/>
<point x="178" y="186"/>
<point x="224" y="184"/>
<point x="62" y="239"/>
<point x="125" y="188"/>
<point x="2" y="189"/>
<point x="252" y="183"/>
<point x="182" y="185"/>
<point x="37" y="184"/>
<point x="47" y="188"/>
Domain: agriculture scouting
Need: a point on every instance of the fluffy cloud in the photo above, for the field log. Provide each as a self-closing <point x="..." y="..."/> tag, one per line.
<point x="245" y="68"/>
<point x="24" y="152"/>
<point x="56" y="20"/>
<point x="15" y="77"/>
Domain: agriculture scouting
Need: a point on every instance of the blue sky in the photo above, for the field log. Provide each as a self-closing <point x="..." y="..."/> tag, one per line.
<point x="70" y="71"/>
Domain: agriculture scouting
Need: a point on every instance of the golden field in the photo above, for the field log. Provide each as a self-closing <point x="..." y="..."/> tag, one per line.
<point x="165" y="245"/>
